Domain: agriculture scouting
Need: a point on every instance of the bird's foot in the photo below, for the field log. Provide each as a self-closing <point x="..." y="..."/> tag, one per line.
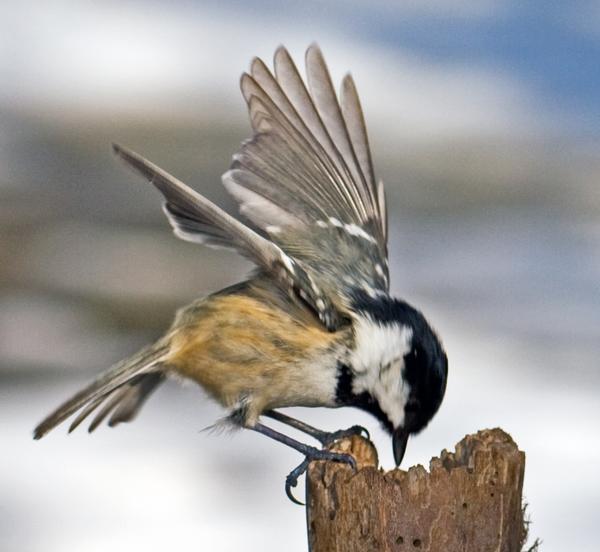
<point x="291" y="480"/>
<point x="327" y="438"/>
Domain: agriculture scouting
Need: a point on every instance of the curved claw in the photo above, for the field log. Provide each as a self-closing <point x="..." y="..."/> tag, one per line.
<point x="289" y="483"/>
<point x="358" y="429"/>
<point x="292" y="480"/>
<point x="341" y="457"/>
<point x="352" y="461"/>
<point x="329" y="438"/>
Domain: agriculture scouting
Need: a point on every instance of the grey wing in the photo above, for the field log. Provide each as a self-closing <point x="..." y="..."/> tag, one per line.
<point x="306" y="177"/>
<point x="195" y="218"/>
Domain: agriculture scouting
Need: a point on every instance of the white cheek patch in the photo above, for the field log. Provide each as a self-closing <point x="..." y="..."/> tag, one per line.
<point x="378" y="345"/>
<point x="392" y="392"/>
<point x="378" y="361"/>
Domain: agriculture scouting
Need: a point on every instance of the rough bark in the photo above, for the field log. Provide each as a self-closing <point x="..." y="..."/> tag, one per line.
<point x="470" y="500"/>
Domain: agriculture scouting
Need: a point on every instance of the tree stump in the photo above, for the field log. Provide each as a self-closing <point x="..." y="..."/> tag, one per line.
<point x="470" y="500"/>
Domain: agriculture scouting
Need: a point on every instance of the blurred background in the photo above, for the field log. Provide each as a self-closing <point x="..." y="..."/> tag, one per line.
<point x="483" y="116"/>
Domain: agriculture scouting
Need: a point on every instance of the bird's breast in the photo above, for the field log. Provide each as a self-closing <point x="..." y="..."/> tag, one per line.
<point x="239" y="346"/>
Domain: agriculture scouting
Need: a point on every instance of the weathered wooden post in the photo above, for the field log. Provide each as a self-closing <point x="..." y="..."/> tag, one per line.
<point x="470" y="500"/>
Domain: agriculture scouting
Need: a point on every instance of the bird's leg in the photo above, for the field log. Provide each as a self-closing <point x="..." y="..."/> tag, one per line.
<point x="324" y="437"/>
<point x="310" y="453"/>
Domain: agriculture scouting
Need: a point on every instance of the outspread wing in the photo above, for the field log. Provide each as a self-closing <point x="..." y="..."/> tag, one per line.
<point x="306" y="177"/>
<point x="195" y="218"/>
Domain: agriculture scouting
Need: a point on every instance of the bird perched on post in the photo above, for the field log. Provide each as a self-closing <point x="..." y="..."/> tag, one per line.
<point x="315" y="324"/>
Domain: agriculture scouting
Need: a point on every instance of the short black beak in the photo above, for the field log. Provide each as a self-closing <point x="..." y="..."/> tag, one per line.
<point x="399" y="440"/>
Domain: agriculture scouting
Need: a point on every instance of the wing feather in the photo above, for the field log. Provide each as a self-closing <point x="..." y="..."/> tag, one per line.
<point x="357" y="130"/>
<point x="192" y="215"/>
<point x="306" y="175"/>
<point x="328" y="107"/>
<point x="286" y="144"/>
<point x="292" y="84"/>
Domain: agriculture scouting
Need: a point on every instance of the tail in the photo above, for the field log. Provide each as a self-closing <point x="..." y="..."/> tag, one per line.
<point x="123" y="389"/>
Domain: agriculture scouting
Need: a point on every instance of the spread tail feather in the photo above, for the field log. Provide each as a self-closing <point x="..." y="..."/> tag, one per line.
<point x="124" y="387"/>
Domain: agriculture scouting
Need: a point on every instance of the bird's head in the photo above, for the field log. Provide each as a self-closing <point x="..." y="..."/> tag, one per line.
<point x="397" y="369"/>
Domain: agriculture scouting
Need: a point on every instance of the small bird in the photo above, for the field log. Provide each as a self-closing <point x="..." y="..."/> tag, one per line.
<point x="315" y="324"/>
